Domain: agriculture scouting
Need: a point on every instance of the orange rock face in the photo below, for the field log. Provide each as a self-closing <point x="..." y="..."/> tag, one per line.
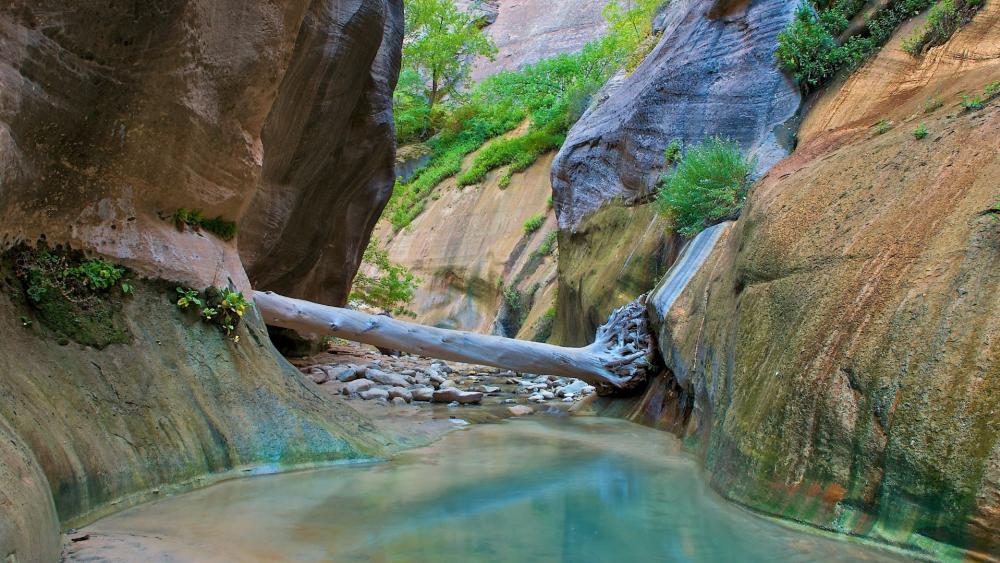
<point x="837" y="356"/>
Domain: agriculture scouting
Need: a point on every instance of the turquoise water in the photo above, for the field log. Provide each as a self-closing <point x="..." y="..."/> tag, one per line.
<point x="540" y="489"/>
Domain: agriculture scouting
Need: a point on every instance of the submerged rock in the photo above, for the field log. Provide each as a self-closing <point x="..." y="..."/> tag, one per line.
<point x="520" y="410"/>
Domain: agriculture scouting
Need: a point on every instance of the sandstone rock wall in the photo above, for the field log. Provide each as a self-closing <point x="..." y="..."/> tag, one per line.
<point x="113" y="115"/>
<point x="836" y="359"/>
<point x="528" y="31"/>
<point x="329" y="156"/>
<point x="469" y="243"/>
<point x="712" y="73"/>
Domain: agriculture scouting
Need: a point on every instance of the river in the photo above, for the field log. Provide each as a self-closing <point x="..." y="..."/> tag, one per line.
<point x="540" y="489"/>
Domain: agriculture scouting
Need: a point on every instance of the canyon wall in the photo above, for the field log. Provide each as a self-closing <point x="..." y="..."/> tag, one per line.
<point x="469" y="244"/>
<point x="712" y="73"/>
<point x="273" y="115"/>
<point x="526" y="32"/>
<point x="835" y="361"/>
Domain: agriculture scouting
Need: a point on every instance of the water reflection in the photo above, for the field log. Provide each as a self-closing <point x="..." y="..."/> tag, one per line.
<point x="539" y="490"/>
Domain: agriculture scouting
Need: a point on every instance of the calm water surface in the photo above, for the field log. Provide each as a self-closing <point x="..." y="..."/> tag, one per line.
<point x="545" y="489"/>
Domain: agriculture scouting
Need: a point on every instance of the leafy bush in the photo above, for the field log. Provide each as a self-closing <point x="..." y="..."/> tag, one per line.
<point x="710" y="183"/>
<point x="195" y="219"/>
<point x="548" y="245"/>
<point x="920" y="132"/>
<point x="808" y="48"/>
<point x="533" y="224"/>
<point x="673" y="152"/>
<point x="518" y="152"/>
<point x="972" y="103"/>
<point x="883" y="126"/>
<point x="943" y="19"/>
<point x="391" y="287"/>
<point x="932" y="104"/>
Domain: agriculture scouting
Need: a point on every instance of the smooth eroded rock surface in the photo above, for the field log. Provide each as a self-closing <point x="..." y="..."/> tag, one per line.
<point x="836" y="357"/>
<point x="329" y="152"/>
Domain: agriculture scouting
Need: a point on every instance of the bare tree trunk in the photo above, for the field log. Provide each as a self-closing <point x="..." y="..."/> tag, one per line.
<point x="620" y="358"/>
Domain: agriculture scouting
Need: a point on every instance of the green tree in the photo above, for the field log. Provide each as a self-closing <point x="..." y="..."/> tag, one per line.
<point x="629" y="20"/>
<point x="391" y="287"/>
<point x="439" y="43"/>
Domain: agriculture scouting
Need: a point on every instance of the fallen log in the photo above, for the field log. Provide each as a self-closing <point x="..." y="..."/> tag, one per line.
<point x="620" y="359"/>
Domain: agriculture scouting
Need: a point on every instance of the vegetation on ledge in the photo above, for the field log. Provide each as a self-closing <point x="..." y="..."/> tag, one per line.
<point x="195" y="219"/>
<point x="77" y="298"/>
<point x="710" y="183"/>
<point x="811" y="50"/>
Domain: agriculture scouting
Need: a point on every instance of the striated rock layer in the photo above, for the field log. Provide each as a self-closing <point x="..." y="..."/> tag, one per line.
<point x="836" y="358"/>
<point x="113" y="115"/>
<point x="712" y="73"/>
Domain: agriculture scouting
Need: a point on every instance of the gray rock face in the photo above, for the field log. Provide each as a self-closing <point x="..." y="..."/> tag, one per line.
<point x="329" y="152"/>
<point x="712" y="73"/>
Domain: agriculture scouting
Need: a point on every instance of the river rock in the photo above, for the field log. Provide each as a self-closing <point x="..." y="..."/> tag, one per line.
<point x="400" y="393"/>
<point x="537" y="397"/>
<point x="548" y="395"/>
<point x="399" y="401"/>
<point x="520" y="410"/>
<point x="448" y="383"/>
<point x="575" y="388"/>
<point x="319" y="376"/>
<point x="422" y="393"/>
<point x="357" y="386"/>
<point x="445" y="395"/>
<point x="348" y="372"/>
<point x="374" y="393"/>
<point x="386" y="378"/>
<point x="489" y="389"/>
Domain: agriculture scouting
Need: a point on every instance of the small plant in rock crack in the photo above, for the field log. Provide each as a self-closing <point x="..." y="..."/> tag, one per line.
<point x="883" y="126"/>
<point x="920" y="132"/>
<point x="932" y="104"/>
<point x="220" y="306"/>
<point x="672" y="153"/>
<point x="971" y="103"/>
<point x="533" y="224"/>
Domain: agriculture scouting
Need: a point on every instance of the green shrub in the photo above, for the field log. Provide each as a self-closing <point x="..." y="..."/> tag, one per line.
<point x="533" y="224"/>
<point x="710" y="183"/>
<point x="808" y="48"/>
<point x="549" y="244"/>
<point x="920" y="132"/>
<point x="972" y="103"/>
<point x="883" y="126"/>
<point x="391" y="287"/>
<point x="992" y="90"/>
<point x="517" y="152"/>
<point x="943" y="19"/>
<point x="673" y="152"/>
<point x="932" y="104"/>
<point x="195" y="219"/>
